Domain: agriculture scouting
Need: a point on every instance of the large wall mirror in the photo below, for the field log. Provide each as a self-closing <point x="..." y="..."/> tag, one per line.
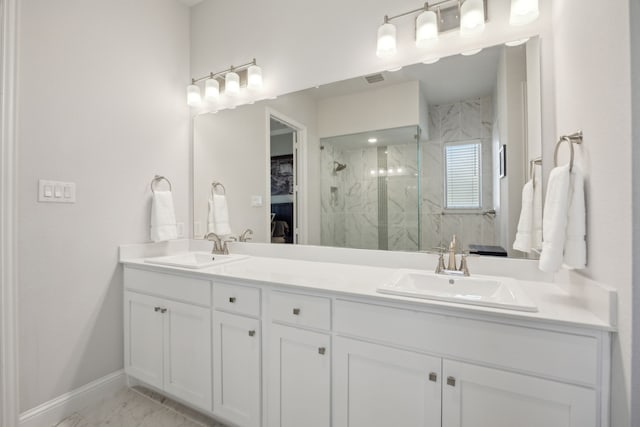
<point x="395" y="160"/>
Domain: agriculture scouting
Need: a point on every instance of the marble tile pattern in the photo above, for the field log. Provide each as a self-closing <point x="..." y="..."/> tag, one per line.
<point x="138" y="407"/>
<point x="470" y="119"/>
<point x="349" y="198"/>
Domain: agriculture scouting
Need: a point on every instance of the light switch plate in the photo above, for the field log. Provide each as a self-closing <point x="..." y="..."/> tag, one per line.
<point x="56" y="191"/>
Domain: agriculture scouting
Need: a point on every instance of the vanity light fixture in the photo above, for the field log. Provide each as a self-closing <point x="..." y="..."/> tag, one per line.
<point x="372" y="140"/>
<point x="431" y="20"/>
<point x="431" y="61"/>
<point x="393" y="70"/>
<point x="523" y="12"/>
<point x="229" y="81"/>
<point x="472" y="17"/>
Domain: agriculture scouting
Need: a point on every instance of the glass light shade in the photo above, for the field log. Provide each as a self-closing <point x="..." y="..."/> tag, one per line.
<point x="193" y="96"/>
<point x="471" y="17"/>
<point x="426" y="28"/>
<point x="386" y="41"/>
<point x="471" y="52"/>
<point x="431" y="61"/>
<point x="523" y="12"/>
<point x="254" y="77"/>
<point x="211" y="89"/>
<point x="232" y="84"/>
<point x="517" y="42"/>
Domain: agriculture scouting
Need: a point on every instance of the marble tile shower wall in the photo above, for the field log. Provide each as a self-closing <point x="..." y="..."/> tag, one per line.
<point x="471" y="119"/>
<point x="349" y="216"/>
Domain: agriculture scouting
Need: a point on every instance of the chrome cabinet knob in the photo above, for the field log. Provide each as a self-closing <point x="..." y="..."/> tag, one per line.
<point x="252" y="333"/>
<point x="296" y="311"/>
<point x="163" y="310"/>
<point x="156" y="309"/>
<point x="322" y="350"/>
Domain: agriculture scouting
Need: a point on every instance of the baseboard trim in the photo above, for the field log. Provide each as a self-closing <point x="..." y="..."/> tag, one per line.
<point x="55" y="410"/>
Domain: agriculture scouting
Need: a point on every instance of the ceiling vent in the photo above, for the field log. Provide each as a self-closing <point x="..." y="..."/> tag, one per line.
<point x="374" y="78"/>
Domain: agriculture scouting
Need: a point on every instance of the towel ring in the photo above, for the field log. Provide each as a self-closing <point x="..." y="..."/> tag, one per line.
<point x="157" y="179"/>
<point x="575" y="138"/>
<point x="216" y="184"/>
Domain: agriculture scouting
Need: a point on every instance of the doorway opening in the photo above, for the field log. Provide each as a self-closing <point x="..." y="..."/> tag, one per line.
<point x="284" y="181"/>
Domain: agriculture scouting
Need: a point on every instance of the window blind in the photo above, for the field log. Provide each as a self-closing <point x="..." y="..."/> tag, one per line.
<point x="462" y="176"/>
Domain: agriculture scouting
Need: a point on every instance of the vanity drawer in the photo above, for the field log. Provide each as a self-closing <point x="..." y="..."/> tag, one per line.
<point x="561" y="356"/>
<point x="236" y="299"/>
<point x="301" y="310"/>
<point x="185" y="289"/>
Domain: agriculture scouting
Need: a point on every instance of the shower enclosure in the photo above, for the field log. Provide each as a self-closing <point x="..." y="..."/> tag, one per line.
<point x="371" y="190"/>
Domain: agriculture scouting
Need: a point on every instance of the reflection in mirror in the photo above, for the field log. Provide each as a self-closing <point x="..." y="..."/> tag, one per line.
<point x="398" y="161"/>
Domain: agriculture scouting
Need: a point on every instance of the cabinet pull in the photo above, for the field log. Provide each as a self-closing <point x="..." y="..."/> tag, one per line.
<point x="163" y="310"/>
<point x="322" y="350"/>
<point x="433" y="377"/>
<point x="296" y="311"/>
<point x="232" y="300"/>
<point x="156" y="309"/>
<point x="252" y="333"/>
<point x="451" y="381"/>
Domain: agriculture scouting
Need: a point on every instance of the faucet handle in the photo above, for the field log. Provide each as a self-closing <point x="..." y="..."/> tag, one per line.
<point x="463" y="264"/>
<point x="440" y="268"/>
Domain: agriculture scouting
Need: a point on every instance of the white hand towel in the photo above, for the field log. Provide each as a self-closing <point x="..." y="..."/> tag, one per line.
<point x="524" y="235"/>
<point x="536" y="235"/>
<point x="163" y="217"/>
<point x="554" y="223"/>
<point x="218" y="216"/>
<point x="575" y="248"/>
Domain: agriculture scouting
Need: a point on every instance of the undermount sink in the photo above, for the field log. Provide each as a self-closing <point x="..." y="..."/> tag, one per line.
<point x="488" y="291"/>
<point x="194" y="260"/>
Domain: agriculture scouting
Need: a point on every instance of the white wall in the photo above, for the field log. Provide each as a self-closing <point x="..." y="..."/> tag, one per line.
<point x="378" y="108"/>
<point x="101" y="103"/>
<point x="593" y="93"/>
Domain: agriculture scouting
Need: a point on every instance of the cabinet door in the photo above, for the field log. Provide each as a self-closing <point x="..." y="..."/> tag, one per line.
<point x="378" y="386"/>
<point x="143" y="338"/>
<point x="187" y="364"/>
<point x="236" y="368"/>
<point x="494" y="398"/>
<point x="299" y="378"/>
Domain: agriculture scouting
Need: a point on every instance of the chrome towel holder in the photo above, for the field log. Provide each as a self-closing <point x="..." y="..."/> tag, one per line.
<point x="156" y="179"/>
<point x="574" y="138"/>
<point x="216" y="184"/>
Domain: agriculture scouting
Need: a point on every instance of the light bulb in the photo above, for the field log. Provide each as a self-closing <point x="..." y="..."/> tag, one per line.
<point x="523" y="12"/>
<point x="254" y="77"/>
<point x="232" y="84"/>
<point x="211" y="89"/>
<point x="193" y="95"/>
<point x="471" y="17"/>
<point x="426" y="28"/>
<point x="386" y="41"/>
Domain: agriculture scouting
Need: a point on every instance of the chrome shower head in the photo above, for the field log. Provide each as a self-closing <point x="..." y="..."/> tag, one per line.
<point x="339" y="167"/>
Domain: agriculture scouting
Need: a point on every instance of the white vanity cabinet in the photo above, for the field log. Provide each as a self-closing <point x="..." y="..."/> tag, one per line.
<point x="236" y="354"/>
<point x="299" y="372"/>
<point x="380" y="386"/>
<point x="168" y="342"/>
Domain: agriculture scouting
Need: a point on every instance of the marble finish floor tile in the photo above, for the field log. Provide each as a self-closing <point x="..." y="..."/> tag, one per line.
<point x="138" y="407"/>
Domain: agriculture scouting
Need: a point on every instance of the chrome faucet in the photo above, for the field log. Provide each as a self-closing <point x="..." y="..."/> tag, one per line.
<point x="451" y="268"/>
<point x="246" y="235"/>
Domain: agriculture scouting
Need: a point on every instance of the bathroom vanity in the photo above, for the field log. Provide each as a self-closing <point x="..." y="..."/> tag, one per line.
<point x="281" y="343"/>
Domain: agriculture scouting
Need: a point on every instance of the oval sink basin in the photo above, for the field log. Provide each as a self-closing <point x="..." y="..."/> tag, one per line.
<point x="194" y="260"/>
<point x="488" y="291"/>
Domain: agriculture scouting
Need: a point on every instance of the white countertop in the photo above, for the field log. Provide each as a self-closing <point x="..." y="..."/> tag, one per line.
<point x="556" y="308"/>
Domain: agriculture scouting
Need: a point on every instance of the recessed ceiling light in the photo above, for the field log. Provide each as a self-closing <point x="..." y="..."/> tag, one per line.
<point x="431" y="61"/>
<point x="517" y="42"/>
<point x="372" y="140"/>
<point x="471" y="52"/>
